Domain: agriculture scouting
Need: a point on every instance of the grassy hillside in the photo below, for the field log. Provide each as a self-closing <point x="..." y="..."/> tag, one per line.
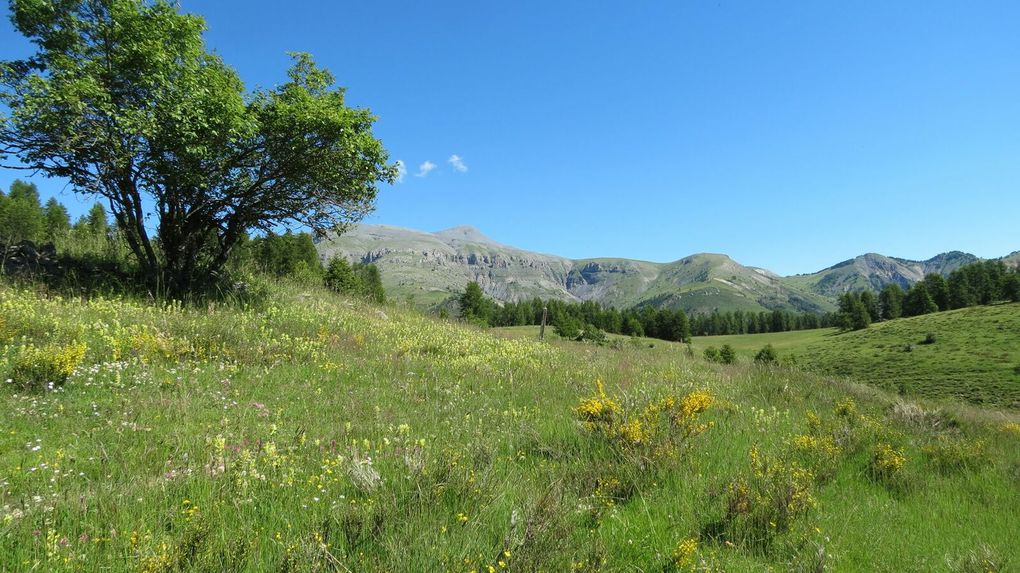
<point x="314" y="433"/>
<point x="975" y="356"/>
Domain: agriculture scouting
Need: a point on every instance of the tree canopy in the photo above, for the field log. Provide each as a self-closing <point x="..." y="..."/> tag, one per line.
<point x="123" y="99"/>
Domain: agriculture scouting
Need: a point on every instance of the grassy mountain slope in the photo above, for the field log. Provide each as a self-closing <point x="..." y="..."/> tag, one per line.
<point x="318" y="433"/>
<point x="975" y="356"/>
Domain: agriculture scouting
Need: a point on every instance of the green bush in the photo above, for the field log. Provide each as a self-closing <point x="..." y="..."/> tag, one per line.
<point x="767" y="355"/>
<point x="727" y="355"/>
<point x="712" y="354"/>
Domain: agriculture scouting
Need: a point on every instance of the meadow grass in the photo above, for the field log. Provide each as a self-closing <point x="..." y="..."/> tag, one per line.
<point x="319" y="433"/>
<point x="974" y="356"/>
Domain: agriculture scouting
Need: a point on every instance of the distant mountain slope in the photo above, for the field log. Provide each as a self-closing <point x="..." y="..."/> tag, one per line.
<point x="874" y="271"/>
<point x="430" y="267"/>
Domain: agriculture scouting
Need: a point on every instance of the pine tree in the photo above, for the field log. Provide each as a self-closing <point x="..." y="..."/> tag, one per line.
<point x="918" y="301"/>
<point x="473" y="307"/>
<point x="57" y="221"/>
<point x="870" y="302"/>
<point x="21" y="215"/>
<point x="890" y="301"/>
<point x="938" y="289"/>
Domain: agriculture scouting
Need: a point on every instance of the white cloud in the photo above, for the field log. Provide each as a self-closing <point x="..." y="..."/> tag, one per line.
<point x="401" y="170"/>
<point x="458" y="163"/>
<point x="425" y="168"/>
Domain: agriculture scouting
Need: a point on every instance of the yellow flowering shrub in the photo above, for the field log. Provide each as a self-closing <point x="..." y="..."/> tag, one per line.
<point x="768" y="500"/>
<point x="887" y="463"/>
<point x="664" y="426"/>
<point x="685" y="553"/>
<point x="37" y="368"/>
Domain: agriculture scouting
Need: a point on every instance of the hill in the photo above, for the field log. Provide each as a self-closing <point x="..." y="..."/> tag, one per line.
<point x="975" y="356"/>
<point x="306" y="432"/>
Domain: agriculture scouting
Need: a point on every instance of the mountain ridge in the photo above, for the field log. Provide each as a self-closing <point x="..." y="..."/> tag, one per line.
<point x="426" y="268"/>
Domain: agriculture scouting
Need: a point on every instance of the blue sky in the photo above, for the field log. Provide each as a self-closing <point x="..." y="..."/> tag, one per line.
<point x="788" y="135"/>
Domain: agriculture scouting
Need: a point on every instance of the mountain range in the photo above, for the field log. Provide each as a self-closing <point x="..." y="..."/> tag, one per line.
<point x="427" y="268"/>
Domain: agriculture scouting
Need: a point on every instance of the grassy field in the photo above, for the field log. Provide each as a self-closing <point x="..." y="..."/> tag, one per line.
<point x="313" y="433"/>
<point x="975" y="355"/>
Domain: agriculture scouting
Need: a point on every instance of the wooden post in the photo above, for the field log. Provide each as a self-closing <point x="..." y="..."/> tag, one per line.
<point x="541" y="332"/>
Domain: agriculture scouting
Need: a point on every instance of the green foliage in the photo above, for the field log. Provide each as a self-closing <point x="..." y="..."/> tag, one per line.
<point x="123" y="99"/>
<point x="474" y="306"/>
<point x="711" y="354"/>
<point x="890" y="301"/>
<point x="21" y="216"/>
<point x="727" y="355"/>
<point x="854" y="312"/>
<point x="740" y="322"/>
<point x="767" y="355"/>
<point x="360" y="279"/>
<point x="280" y="255"/>
<point x="57" y="224"/>
<point x="43" y="368"/>
<point x="918" y="301"/>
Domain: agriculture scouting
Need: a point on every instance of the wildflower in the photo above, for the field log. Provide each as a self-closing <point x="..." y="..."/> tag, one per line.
<point x="683" y="555"/>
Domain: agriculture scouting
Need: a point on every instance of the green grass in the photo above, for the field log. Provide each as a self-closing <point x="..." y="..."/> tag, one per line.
<point x="747" y="345"/>
<point x="317" y="433"/>
<point x="975" y="356"/>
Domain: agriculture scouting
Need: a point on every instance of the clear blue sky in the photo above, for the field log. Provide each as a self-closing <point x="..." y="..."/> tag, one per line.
<point x="787" y="135"/>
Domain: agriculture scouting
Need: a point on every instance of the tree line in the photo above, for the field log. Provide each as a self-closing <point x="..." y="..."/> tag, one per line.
<point x="979" y="283"/>
<point x="748" y="322"/>
<point x="574" y="319"/>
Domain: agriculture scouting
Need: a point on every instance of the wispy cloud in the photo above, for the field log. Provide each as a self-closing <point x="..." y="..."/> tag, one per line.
<point x="457" y="163"/>
<point x="425" y="168"/>
<point x="401" y="170"/>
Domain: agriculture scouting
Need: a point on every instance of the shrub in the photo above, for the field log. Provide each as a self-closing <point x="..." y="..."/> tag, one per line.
<point x="712" y="354"/>
<point x="35" y="368"/>
<point x="661" y="428"/>
<point x="768" y="501"/>
<point x="887" y="464"/>
<point x="727" y="355"/>
<point x="592" y="333"/>
<point x="767" y="355"/>
<point x="949" y="455"/>
<point x="929" y="338"/>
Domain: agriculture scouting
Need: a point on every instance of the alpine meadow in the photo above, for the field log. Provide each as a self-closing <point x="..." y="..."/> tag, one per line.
<point x="227" y="342"/>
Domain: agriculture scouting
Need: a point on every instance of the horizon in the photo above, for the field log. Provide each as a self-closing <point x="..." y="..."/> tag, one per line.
<point x="785" y="137"/>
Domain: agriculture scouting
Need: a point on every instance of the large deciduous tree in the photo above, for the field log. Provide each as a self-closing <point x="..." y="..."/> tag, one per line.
<point x="123" y="99"/>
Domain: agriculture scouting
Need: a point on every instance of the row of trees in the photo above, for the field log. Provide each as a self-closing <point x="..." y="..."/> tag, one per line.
<point x="746" y="322"/>
<point x="574" y="319"/>
<point x="979" y="283"/>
